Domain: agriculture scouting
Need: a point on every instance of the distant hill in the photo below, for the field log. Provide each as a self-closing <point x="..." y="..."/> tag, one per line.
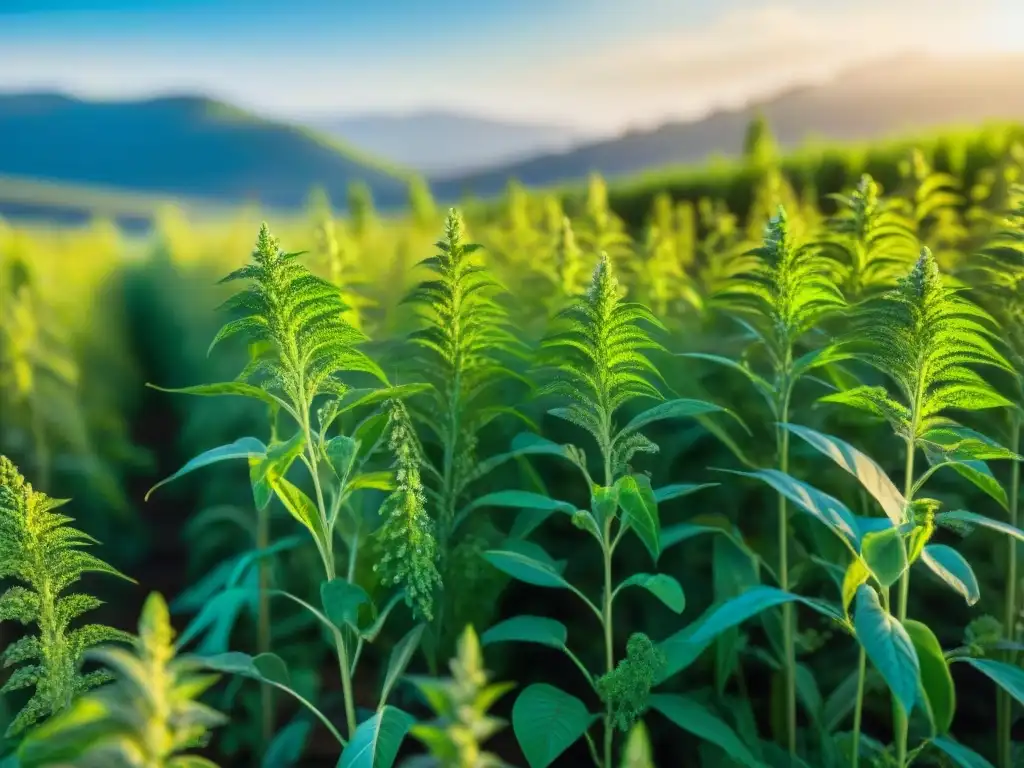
<point x="897" y="96"/>
<point x="180" y="146"/>
<point x="438" y="142"/>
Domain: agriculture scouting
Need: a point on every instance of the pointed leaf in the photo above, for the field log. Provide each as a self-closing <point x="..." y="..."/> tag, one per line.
<point x="525" y="568"/>
<point x="1009" y="677"/>
<point x="636" y="498"/>
<point x="695" y="718"/>
<point x="242" y="448"/>
<point x="970" y="518"/>
<point x="962" y="757"/>
<point x="950" y="566"/>
<point x="546" y="722"/>
<point x="341" y="601"/>
<point x="662" y="586"/>
<point x="673" y="409"/>
<point x="936" y="680"/>
<point x="376" y="742"/>
<point x="888" y="646"/>
<point x="885" y="554"/>
<point x="858" y="464"/>
<point x="670" y="492"/>
<point x="527" y="629"/>
<point x="752" y="602"/>
<point x="401" y="655"/>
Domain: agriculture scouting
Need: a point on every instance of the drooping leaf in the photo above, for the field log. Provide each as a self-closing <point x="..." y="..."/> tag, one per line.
<point x="341" y="601"/>
<point x="962" y="757"/>
<point x="525" y="568"/>
<point x="888" y="646"/>
<point x="673" y="409"/>
<point x="752" y="602"/>
<point x="936" y="680"/>
<point x="242" y="448"/>
<point x="662" y="586"/>
<point x="950" y="566"/>
<point x="1007" y="676"/>
<point x="695" y="718"/>
<point x="401" y="655"/>
<point x="527" y="629"/>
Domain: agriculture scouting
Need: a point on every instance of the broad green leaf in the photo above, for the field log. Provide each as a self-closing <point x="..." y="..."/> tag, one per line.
<point x="680" y="650"/>
<point x="670" y="492"/>
<point x="962" y="516"/>
<point x="288" y="745"/>
<point x="341" y="601"/>
<point x="888" y="646"/>
<point x="636" y="498"/>
<point x="858" y="464"/>
<point x="673" y="409"/>
<point x="244" y="665"/>
<point x="936" y="680"/>
<point x="383" y="480"/>
<point x="526" y="569"/>
<point x="826" y="509"/>
<point x="527" y="629"/>
<point x="242" y="448"/>
<point x="695" y="718"/>
<point x="401" y="655"/>
<point x="546" y="722"/>
<point x="662" y="586"/>
<point x="886" y="556"/>
<point x="376" y="742"/>
<point x="962" y="756"/>
<point x="950" y="566"/>
<point x="341" y="454"/>
<point x="752" y="602"/>
<point x="1009" y="677"/>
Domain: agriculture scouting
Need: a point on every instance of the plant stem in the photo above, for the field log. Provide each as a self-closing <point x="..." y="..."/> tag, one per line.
<point x="788" y="643"/>
<point x="1004" y="704"/>
<point x="329" y="569"/>
<point x="609" y="648"/>
<point x="858" y="709"/>
<point x="263" y="625"/>
<point x="899" y="717"/>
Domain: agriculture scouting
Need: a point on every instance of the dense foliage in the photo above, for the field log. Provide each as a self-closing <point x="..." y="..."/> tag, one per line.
<point x="709" y="482"/>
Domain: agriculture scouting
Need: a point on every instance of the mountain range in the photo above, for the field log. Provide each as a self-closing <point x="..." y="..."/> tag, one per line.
<point x="436" y="142"/>
<point x="194" y="147"/>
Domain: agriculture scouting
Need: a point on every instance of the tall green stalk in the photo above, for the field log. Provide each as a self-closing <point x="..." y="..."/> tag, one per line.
<point x="1004" y="703"/>
<point x="899" y="717"/>
<point x="788" y="641"/>
<point x="858" y="707"/>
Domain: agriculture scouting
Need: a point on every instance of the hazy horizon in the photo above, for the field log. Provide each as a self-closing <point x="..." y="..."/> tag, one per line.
<point x="587" y="65"/>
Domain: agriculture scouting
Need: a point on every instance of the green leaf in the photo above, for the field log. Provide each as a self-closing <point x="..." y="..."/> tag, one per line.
<point x="673" y="409"/>
<point x="637" y="501"/>
<point x="519" y="500"/>
<point x="525" y="568"/>
<point x="1007" y="676"/>
<point x="401" y="655"/>
<point x="376" y="742"/>
<point x="936" y="680"/>
<point x="857" y="572"/>
<point x="885" y="554"/>
<point x="356" y="398"/>
<point x="826" y="509"/>
<point x="752" y="602"/>
<point x="888" y="646"/>
<point x="603" y="503"/>
<point x="242" y="448"/>
<point x="299" y="506"/>
<point x="546" y="722"/>
<point x="266" y="670"/>
<point x="662" y="586"/>
<point x="527" y="629"/>
<point x="950" y="566"/>
<point x="288" y="745"/>
<point x="970" y="518"/>
<point x="341" y="453"/>
<point x="763" y="387"/>
<point x="670" y="492"/>
<point x="341" y="601"/>
<point x="224" y="388"/>
<point x="694" y="717"/>
<point x="962" y="756"/>
<point x="858" y="464"/>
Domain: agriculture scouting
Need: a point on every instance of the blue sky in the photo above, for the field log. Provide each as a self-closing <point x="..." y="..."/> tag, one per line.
<point x="597" y="64"/>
